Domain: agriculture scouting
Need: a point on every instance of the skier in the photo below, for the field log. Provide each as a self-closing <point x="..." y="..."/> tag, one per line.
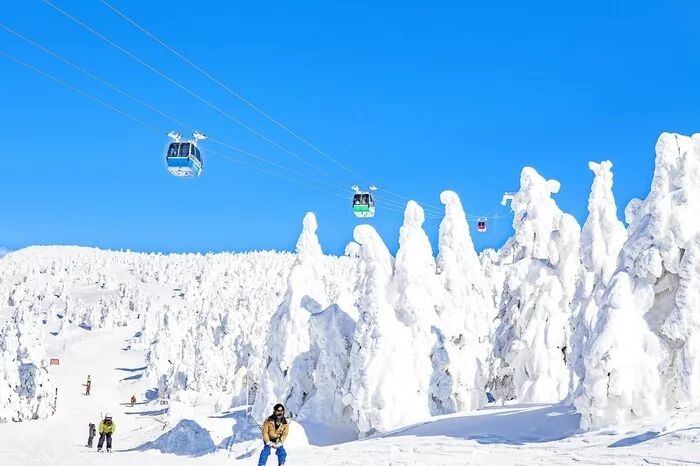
<point x="87" y="386"/>
<point x="107" y="428"/>
<point x="274" y="432"/>
<point x="91" y="434"/>
<point x="133" y="400"/>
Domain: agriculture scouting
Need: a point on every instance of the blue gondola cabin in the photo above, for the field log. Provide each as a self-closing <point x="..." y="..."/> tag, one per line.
<point x="184" y="159"/>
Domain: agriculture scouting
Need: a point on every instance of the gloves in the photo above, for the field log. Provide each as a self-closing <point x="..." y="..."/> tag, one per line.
<point x="278" y="445"/>
<point x="271" y="444"/>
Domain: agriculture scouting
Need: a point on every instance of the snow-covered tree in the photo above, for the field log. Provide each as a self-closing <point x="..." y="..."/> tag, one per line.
<point x="415" y="292"/>
<point x="602" y="237"/>
<point x="643" y="349"/>
<point x="288" y="374"/>
<point x="331" y="334"/>
<point x="26" y="388"/>
<point x="372" y="392"/>
<point x="465" y="315"/>
<point x="541" y="263"/>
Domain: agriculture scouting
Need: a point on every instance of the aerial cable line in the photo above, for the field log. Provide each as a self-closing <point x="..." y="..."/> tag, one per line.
<point x="84" y="94"/>
<point x="268" y="172"/>
<point x="246" y="101"/>
<point x="156" y="110"/>
<point x="228" y="89"/>
<point x="386" y="191"/>
<point x="182" y="87"/>
<point x="390" y="202"/>
<point x="275" y="164"/>
<point x="93" y="76"/>
<point x="153" y="128"/>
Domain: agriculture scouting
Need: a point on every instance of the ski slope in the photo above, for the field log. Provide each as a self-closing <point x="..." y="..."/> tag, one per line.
<point x="534" y="433"/>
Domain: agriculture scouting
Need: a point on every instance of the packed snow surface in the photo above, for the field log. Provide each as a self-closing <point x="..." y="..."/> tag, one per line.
<point x="567" y="345"/>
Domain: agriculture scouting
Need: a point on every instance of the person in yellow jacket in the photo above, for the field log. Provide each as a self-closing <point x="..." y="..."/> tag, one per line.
<point x="274" y="433"/>
<point x="107" y="428"/>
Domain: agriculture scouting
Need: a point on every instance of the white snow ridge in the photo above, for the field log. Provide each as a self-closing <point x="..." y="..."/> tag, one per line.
<point x="566" y="345"/>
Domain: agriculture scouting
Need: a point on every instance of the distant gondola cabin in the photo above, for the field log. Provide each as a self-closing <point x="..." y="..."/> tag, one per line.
<point x="363" y="205"/>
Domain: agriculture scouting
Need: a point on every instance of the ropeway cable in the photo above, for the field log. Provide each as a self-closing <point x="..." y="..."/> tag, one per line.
<point x="249" y="103"/>
<point x="75" y="89"/>
<point x="156" y="110"/>
<point x="227" y="88"/>
<point x="182" y="87"/>
<point x="153" y="128"/>
<point x="386" y="203"/>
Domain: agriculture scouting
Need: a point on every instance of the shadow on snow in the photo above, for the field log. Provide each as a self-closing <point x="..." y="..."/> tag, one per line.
<point x="511" y="425"/>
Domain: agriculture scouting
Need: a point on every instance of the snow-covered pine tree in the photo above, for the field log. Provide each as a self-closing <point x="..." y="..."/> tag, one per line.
<point x="288" y="374"/>
<point x="643" y="352"/>
<point x="602" y="237"/>
<point x="541" y="263"/>
<point x="466" y="313"/>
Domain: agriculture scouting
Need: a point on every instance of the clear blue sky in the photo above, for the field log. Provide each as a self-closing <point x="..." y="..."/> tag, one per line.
<point x="417" y="97"/>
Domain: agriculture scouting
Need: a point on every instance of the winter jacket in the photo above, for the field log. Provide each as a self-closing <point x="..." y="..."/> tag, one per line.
<point x="274" y="434"/>
<point x="107" y="428"/>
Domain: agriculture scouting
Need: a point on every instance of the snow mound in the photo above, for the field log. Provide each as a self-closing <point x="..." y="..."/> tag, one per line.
<point x="297" y="436"/>
<point x="187" y="438"/>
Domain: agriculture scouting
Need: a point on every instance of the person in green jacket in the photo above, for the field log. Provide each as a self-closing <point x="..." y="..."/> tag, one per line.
<point x="107" y="428"/>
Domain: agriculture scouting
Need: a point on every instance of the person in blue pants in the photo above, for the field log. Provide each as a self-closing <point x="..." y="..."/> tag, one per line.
<point x="274" y="433"/>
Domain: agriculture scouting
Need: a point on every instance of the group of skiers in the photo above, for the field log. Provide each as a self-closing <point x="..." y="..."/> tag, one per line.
<point x="274" y="432"/>
<point x="106" y="428"/>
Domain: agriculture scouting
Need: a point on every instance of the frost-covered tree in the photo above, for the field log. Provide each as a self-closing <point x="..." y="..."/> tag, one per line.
<point x="602" y="237"/>
<point x="370" y="388"/>
<point x="288" y="374"/>
<point x="466" y="312"/>
<point x="331" y="334"/>
<point x="390" y="360"/>
<point x="682" y="329"/>
<point x="643" y="349"/>
<point x="415" y="292"/>
<point x="541" y="264"/>
<point x="26" y="388"/>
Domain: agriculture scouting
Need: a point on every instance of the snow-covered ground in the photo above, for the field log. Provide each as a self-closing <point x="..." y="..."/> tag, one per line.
<point x="585" y="340"/>
<point x="532" y="433"/>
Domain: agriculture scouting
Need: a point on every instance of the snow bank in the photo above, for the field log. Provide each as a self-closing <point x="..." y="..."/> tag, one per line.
<point x="297" y="436"/>
<point x="187" y="438"/>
